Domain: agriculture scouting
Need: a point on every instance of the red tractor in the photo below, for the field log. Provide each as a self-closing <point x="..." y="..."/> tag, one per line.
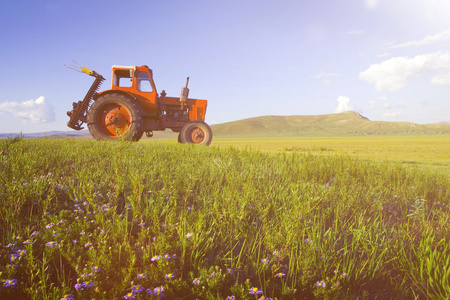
<point x="133" y="106"/>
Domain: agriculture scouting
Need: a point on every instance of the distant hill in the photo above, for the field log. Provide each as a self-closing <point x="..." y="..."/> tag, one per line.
<point x="339" y="124"/>
<point x="49" y="134"/>
<point x="346" y="123"/>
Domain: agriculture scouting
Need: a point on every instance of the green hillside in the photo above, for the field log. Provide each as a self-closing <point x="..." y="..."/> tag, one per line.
<point x="346" y="123"/>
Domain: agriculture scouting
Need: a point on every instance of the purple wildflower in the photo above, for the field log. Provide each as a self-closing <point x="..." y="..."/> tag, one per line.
<point x="141" y="276"/>
<point x="155" y="258"/>
<point x="78" y="286"/>
<point x="137" y="288"/>
<point x="88" y="284"/>
<point x="51" y="244"/>
<point x="169" y="276"/>
<point x="255" y="291"/>
<point x="196" y="281"/>
<point x="9" y="282"/>
<point x="130" y="295"/>
<point x="96" y="268"/>
<point x="279" y="275"/>
<point x="12" y="257"/>
<point x="264" y="261"/>
<point x="21" y="253"/>
<point x="320" y="284"/>
<point x="68" y="297"/>
<point x="188" y="235"/>
<point x="166" y="256"/>
<point x="11" y="245"/>
<point x="230" y="297"/>
<point x="158" y="291"/>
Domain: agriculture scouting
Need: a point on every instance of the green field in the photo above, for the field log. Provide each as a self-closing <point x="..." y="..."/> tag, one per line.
<point x="430" y="152"/>
<point x="286" y="218"/>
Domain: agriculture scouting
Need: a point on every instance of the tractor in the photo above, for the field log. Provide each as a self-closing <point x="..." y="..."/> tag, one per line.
<point x="133" y="106"/>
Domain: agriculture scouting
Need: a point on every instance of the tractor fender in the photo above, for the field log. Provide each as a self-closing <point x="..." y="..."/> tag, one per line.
<point x="115" y="92"/>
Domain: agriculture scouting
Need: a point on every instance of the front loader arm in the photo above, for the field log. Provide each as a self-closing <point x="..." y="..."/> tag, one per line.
<point x="79" y="110"/>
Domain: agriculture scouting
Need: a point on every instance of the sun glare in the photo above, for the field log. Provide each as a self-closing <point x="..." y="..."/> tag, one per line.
<point x="372" y="4"/>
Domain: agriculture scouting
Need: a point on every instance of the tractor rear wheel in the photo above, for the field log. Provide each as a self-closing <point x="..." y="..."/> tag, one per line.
<point x="115" y="116"/>
<point x="196" y="132"/>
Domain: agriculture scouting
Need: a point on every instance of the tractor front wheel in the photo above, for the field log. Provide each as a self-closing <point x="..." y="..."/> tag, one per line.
<point x="196" y="132"/>
<point x="115" y="116"/>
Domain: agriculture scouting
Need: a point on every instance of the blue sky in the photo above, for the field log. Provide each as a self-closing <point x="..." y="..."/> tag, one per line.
<point x="387" y="59"/>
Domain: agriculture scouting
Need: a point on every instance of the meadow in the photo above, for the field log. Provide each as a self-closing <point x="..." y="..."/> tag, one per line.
<point x="429" y="152"/>
<point x="82" y="219"/>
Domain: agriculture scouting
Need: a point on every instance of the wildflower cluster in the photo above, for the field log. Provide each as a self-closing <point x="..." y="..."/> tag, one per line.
<point x="137" y="289"/>
<point x="112" y="228"/>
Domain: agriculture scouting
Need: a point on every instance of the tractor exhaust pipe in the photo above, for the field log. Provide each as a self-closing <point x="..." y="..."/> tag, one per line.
<point x="185" y="92"/>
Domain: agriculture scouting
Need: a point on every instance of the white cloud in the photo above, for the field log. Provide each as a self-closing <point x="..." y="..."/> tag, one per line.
<point x="384" y="54"/>
<point x="395" y="105"/>
<point x="373" y="104"/>
<point x="344" y="104"/>
<point x="431" y="39"/>
<point x="441" y="79"/>
<point x="422" y="104"/>
<point x="393" y="74"/>
<point x="389" y="116"/>
<point x="326" y="77"/>
<point x="31" y="111"/>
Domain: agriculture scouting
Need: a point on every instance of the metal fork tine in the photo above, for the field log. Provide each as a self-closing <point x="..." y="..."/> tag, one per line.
<point x="72" y="68"/>
<point x="81" y="67"/>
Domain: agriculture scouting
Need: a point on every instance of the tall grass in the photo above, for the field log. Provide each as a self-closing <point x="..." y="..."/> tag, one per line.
<point x="129" y="220"/>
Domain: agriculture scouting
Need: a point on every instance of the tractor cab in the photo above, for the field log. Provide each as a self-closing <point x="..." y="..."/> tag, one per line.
<point x="124" y="77"/>
<point x="136" y="82"/>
